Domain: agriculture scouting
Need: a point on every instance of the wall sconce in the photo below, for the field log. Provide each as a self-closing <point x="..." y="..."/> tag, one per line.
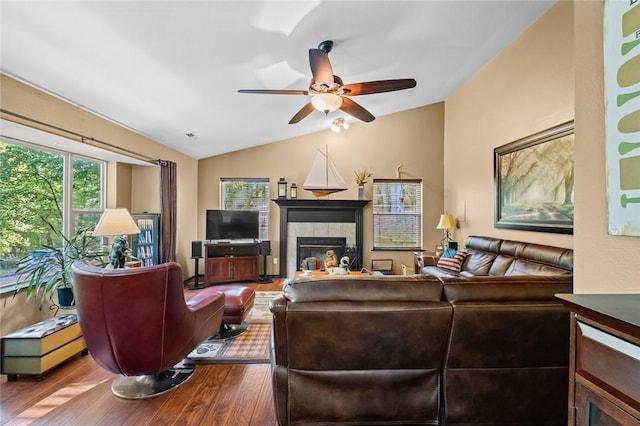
<point x="282" y="188"/>
<point x="293" y="193"/>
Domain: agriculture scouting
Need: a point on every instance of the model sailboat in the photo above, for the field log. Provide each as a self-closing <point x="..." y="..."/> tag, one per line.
<point x="323" y="178"/>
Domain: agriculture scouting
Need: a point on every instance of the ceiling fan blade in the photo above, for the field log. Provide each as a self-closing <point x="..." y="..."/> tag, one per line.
<point x="320" y="67"/>
<point x="306" y="110"/>
<point x="381" y="86"/>
<point x="274" y="92"/>
<point x="356" y="110"/>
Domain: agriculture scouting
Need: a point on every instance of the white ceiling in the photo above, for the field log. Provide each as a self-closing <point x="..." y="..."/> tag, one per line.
<point x="168" y="68"/>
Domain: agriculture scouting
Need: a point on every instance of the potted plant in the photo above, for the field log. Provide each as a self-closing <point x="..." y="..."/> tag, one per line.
<point x="48" y="270"/>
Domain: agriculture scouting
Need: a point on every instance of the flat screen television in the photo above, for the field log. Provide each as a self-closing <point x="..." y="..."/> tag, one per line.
<point x="232" y="225"/>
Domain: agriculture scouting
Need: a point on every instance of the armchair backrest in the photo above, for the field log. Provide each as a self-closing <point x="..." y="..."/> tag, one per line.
<point x="134" y="321"/>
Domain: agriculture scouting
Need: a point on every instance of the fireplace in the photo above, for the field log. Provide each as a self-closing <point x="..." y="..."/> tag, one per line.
<point x="319" y="219"/>
<point x="317" y="247"/>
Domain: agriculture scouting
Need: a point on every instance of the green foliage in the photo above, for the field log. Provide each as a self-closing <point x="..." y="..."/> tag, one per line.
<point x="244" y="195"/>
<point x="31" y="188"/>
<point x="50" y="267"/>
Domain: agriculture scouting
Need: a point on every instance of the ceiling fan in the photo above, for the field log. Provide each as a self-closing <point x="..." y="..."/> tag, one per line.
<point x="330" y="93"/>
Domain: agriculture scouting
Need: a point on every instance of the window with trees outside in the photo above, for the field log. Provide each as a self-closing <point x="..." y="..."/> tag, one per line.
<point x="43" y="189"/>
<point x="247" y="194"/>
<point x="397" y="214"/>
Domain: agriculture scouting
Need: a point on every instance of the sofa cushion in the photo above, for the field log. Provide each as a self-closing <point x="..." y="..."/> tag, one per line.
<point x="526" y="267"/>
<point x="500" y="265"/>
<point x="478" y="262"/>
<point x="452" y="263"/>
<point x="483" y="243"/>
<point x="434" y="271"/>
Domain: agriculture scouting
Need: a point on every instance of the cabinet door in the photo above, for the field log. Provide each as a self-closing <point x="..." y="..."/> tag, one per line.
<point x="245" y="267"/>
<point x="594" y="410"/>
<point x="219" y="269"/>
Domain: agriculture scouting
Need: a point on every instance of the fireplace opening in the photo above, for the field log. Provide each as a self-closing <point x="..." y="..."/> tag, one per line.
<point x="317" y="247"/>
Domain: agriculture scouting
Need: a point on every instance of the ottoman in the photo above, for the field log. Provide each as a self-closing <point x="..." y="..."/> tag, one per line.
<point x="238" y="303"/>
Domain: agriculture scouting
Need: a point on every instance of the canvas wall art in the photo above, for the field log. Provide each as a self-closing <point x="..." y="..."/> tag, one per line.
<point x="622" y="115"/>
<point x="534" y="181"/>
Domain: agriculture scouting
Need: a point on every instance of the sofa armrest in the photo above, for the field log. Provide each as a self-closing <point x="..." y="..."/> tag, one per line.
<point x="278" y="307"/>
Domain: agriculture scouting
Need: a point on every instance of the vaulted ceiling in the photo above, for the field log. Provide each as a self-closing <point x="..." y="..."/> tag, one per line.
<point x="169" y="69"/>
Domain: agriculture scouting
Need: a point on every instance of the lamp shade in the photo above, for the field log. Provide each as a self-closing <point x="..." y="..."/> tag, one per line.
<point x="326" y="102"/>
<point x="447" y="221"/>
<point x="116" y="222"/>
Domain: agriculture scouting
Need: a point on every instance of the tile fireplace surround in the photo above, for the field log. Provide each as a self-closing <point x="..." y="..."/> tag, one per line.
<point x="318" y="218"/>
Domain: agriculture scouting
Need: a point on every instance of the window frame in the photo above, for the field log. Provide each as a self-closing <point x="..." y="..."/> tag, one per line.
<point x="11" y="283"/>
<point x="419" y="214"/>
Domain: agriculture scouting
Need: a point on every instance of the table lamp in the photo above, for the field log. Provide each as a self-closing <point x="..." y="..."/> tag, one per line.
<point x="116" y="223"/>
<point x="447" y="222"/>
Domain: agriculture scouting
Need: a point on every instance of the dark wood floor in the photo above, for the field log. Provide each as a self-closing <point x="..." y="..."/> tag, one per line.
<point x="79" y="393"/>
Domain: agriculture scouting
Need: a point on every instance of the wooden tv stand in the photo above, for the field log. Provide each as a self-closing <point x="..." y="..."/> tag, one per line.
<point x="229" y="262"/>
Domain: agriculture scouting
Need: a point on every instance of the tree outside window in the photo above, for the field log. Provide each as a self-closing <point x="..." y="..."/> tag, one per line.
<point x="32" y="193"/>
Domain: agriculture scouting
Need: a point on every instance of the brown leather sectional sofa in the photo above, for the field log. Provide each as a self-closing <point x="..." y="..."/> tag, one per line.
<point x="424" y="349"/>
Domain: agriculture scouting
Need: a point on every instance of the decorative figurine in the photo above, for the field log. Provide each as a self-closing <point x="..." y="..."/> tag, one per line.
<point x="118" y="252"/>
<point x="330" y="260"/>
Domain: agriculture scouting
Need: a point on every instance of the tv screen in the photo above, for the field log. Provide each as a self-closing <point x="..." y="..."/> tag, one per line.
<point x="232" y="225"/>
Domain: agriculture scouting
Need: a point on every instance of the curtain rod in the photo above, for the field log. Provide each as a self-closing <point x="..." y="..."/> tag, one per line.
<point x="83" y="138"/>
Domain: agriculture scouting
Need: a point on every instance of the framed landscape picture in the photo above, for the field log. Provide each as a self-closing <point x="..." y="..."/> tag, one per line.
<point x="533" y="179"/>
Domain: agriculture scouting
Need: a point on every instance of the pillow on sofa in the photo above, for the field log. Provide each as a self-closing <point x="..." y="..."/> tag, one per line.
<point x="454" y="263"/>
<point x="449" y="253"/>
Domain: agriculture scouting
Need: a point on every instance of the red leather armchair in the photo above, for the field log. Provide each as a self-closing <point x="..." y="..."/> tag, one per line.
<point x="136" y="323"/>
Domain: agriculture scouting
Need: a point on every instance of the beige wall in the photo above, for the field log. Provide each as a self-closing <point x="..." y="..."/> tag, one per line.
<point x="543" y="78"/>
<point x="138" y="183"/>
<point x="412" y="138"/>
<point x="526" y="88"/>
<point x="604" y="263"/>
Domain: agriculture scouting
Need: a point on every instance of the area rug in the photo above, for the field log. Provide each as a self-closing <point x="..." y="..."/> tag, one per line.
<point x="260" y="314"/>
<point x="250" y="347"/>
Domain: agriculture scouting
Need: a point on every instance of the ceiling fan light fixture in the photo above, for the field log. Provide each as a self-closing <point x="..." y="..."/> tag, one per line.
<point x="326" y="102"/>
<point x="339" y="124"/>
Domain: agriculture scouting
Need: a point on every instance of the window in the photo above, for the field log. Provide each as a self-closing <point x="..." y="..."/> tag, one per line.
<point x="247" y="194"/>
<point x="37" y="186"/>
<point x="397" y="214"/>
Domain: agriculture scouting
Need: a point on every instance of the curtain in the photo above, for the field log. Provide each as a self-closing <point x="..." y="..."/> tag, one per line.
<point x="168" y="209"/>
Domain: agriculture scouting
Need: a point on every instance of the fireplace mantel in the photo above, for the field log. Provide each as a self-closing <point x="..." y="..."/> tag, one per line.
<point x="320" y="211"/>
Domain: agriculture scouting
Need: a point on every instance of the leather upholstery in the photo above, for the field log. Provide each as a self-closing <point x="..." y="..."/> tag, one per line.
<point x="136" y="321"/>
<point x="495" y="257"/>
<point x="449" y="350"/>
<point x="338" y="358"/>
<point x="239" y="301"/>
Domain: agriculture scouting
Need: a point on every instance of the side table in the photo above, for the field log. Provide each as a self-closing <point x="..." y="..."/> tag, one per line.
<point x="604" y="384"/>
<point x="424" y="258"/>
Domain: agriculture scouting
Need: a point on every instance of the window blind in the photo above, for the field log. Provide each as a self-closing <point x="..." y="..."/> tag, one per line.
<point x="397" y="214"/>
